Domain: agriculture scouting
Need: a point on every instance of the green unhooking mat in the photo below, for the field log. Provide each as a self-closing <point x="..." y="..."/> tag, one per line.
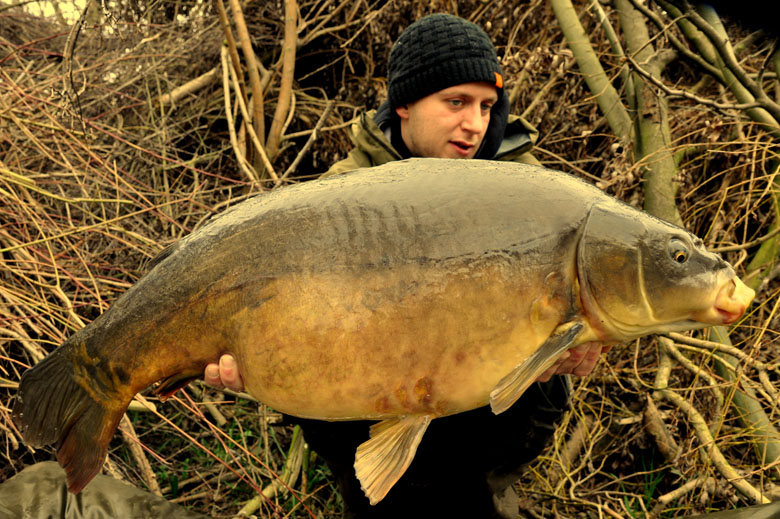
<point x="39" y="492"/>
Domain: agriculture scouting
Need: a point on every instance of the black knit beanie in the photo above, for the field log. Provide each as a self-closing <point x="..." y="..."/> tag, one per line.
<point x="437" y="52"/>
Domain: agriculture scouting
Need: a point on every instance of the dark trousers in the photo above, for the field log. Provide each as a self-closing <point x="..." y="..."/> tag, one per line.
<point x="465" y="465"/>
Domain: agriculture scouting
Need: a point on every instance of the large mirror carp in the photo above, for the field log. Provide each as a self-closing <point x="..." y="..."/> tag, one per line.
<point x="401" y="293"/>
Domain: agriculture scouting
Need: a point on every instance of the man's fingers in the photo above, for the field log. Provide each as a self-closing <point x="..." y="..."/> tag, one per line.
<point x="228" y="373"/>
<point x="570" y="362"/>
<point x="544" y="377"/>
<point x="552" y="370"/>
<point x="588" y="361"/>
<point x="211" y="376"/>
<point x="224" y="375"/>
<point x="579" y="361"/>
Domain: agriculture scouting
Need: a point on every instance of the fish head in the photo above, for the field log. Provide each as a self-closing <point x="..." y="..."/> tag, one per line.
<point x="640" y="275"/>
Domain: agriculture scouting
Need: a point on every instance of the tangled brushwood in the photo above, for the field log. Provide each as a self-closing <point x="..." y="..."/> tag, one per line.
<point x="126" y="126"/>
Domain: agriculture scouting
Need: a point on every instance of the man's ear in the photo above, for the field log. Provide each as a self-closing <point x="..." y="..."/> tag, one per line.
<point x="402" y="111"/>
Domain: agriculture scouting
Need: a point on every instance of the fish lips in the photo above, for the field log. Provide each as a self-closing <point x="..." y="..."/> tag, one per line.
<point x="730" y="303"/>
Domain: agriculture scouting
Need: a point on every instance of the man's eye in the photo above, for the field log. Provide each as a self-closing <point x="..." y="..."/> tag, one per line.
<point x="486" y="108"/>
<point x="456" y="102"/>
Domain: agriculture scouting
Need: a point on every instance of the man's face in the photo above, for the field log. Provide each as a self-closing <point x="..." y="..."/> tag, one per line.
<point x="450" y="123"/>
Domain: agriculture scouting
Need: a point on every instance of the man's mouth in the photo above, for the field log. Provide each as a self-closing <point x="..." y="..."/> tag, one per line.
<point x="462" y="148"/>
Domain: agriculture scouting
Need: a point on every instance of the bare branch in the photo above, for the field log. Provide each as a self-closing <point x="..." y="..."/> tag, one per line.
<point x="242" y="162"/>
<point x="231" y="44"/>
<point x="190" y="87"/>
<point x="722" y="45"/>
<point x="675" y="92"/>
<point x="258" y="118"/>
<point x="710" y="448"/>
<point x="676" y="43"/>
<point x="288" y="75"/>
<point x="605" y="94"/>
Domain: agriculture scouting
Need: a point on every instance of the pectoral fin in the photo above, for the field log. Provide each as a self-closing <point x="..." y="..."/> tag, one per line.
<point x="512" y="386"/>
<point x="382" y="460"/>
<point x="170" y="385"/>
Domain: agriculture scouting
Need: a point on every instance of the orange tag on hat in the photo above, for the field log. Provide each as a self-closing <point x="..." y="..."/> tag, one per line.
<point x="499" y="80"/>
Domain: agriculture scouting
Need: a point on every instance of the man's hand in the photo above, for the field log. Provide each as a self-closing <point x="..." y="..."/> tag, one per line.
<point x="224" y="374"/>
<point x="578" y="361"/>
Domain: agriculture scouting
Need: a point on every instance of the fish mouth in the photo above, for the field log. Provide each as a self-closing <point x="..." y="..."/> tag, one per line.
<point x="730" y="304"/>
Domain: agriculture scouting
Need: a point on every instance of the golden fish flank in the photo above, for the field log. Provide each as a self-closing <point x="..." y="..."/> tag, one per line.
<point x="430" y="349"/>
<point x="400" y="293"/>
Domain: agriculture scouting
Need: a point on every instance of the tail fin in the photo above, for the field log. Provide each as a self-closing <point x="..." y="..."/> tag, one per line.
<point x="51" y="407"/>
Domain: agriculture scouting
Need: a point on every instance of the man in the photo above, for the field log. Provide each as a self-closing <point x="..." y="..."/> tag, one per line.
<point x="446" y="100"/>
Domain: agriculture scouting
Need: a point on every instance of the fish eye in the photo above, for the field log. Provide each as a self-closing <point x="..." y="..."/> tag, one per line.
<point x="678" y="251"/>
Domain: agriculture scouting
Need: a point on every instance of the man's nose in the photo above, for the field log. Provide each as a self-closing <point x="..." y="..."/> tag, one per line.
<point x="472" y="120"/>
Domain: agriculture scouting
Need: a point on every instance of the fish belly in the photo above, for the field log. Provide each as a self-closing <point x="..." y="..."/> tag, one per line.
<point x="382" y="343"/>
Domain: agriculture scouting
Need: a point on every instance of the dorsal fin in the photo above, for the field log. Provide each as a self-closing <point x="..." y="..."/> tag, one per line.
<point x="167" y="251"/>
